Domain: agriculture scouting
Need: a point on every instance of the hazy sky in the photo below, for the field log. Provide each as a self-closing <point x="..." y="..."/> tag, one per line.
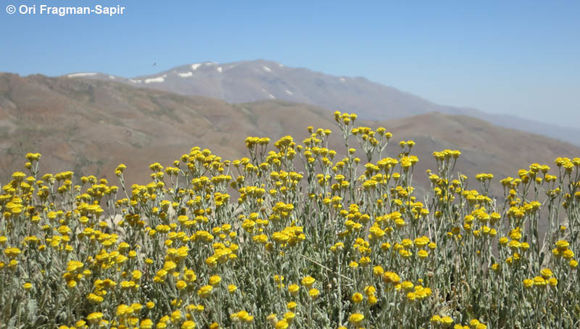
<point x="516" y="57"/>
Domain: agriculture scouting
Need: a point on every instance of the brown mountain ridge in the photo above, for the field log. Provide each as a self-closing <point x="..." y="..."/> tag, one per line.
<point x="90" y="126"/>
<point x="250" y="81"/>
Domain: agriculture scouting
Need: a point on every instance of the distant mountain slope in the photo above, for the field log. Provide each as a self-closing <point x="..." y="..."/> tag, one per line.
<point x="568" y="134"/>
<point x="249" y="81"/>
<point x="90" y="126"/>
<point x="485" y="147"/>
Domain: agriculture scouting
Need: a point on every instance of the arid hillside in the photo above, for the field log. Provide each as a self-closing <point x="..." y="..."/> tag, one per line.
<point x="91" y="126"/>
<point x="259" y="80"/>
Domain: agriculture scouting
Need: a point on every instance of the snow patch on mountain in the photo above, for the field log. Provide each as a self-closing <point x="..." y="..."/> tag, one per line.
<point x="185" y="74"/>
<point x="81" y="74"/>
<point x="156" y="80"/>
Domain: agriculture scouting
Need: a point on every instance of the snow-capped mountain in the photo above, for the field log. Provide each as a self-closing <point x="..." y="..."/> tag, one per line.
<point x="249" y="81"/>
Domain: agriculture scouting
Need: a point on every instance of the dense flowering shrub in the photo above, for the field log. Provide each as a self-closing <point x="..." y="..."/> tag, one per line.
<point x="292" y="236"/>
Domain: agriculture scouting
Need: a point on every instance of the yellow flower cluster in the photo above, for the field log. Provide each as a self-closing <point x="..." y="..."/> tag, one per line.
<point x="293" y="236"/>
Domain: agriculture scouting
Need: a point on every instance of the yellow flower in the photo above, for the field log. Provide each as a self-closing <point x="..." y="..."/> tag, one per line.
<point x="447" y="320"/>
<point x="136" y="274"/>
<point x="146" y="324"/>
<point x="124" y="310"/>
<point x="407" y="243"/>
<point x="181" y="285"/>
<point x="74" y="265"/>
<point x="293" y="289"/>
<point x="546" y="273"/>
<point x="232" y="288"/>
<point x="357" y="297"/>
<point x="161" y="325"/>
<point x="313" y="292"/>
<point x="282" y="324"/>
<point x="127" y="284"/>
<point x="562" y="245"/>
<point x="407" y="285"/>
<point x="540" y="281"/>
<point x="365" y="261"/>
<point x="27" y="286"/>
<point x="95" y="298"/>
<point x="243" y="316"/>
<point x="189" y="276"/>
<point x="33" y="156"/>
<point x="94" y="317"/>
<point x="411" y="296"/>
<point x="378" y="270"/>
<point x="188" y="325"/>
<point x="391" y="277"/>
<point x="435" y="319"/>
<point x="308" y="281"/>
<point x="120" y="169"/>
<point x="289" y="316"/>
<point x="568" y="254"/>
<point x="205" y="291"/>
<point x="372" y="299"/>
<point x="12" y="252"/>
<point x="176" y="316"/>
<point x="356" y="318"/>
<point x="214" y="279"/>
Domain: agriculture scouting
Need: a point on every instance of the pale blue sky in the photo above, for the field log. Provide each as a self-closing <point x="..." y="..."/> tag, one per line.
<point x="515" y="57"/>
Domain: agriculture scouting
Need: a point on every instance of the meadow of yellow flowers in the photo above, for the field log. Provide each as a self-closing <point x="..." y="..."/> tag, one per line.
<point x="292" y="236"/>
